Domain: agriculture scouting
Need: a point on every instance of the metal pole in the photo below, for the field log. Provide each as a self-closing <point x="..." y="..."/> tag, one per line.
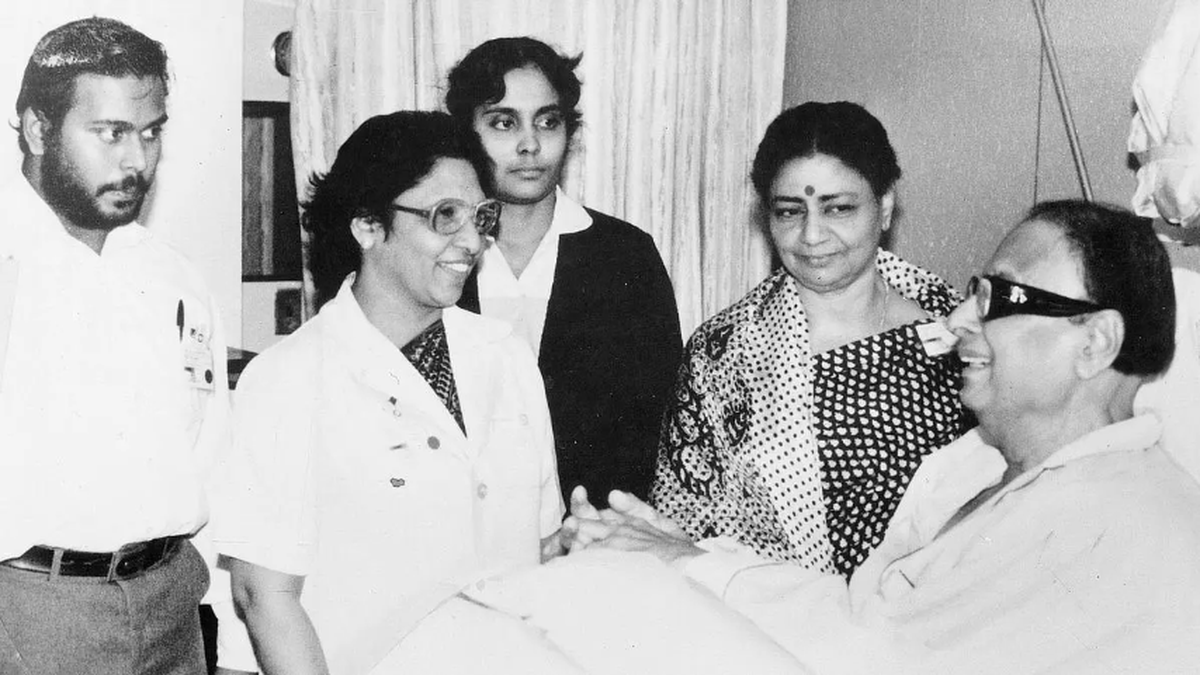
<point x="1085" y="183"/>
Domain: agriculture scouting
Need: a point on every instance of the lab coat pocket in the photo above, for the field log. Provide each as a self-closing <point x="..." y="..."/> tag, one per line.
<point x="511" y="453"/>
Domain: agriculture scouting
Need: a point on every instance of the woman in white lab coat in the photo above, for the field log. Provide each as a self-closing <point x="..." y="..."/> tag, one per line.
<point x="395" y="447"/>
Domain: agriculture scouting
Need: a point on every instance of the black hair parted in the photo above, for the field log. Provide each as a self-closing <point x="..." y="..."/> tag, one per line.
<point x="478" y="79"/>
<point x="1126" y="268"/>
<point x="95" y="46"/>
<point x="841" y="129"/>
<point x="385" y="156"/>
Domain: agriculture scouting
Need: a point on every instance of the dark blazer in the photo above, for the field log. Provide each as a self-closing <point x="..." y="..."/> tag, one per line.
<point x="609" y="352"/>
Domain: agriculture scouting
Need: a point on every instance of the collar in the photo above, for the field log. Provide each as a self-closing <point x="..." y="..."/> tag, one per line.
<point x="1136" y="433"/>
<point x="347" y="321"/>
<point x="33" y="225"/>
<point x="356" y="344"/>
<point x="956" y="473"/>
<point x="569" y="216"/>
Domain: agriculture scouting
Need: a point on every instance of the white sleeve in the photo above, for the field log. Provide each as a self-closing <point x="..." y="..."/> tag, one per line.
<point x="804" y="611"/>
<point x="724" y="560"/>
<point x="264" y="511"/>
<point x="618" y="612"/>
<point x="534" y="391"/>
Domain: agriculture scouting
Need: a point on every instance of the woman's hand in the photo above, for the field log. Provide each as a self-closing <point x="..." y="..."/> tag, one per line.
<point x="628" y="525"/>
<point x="552" y="547"/>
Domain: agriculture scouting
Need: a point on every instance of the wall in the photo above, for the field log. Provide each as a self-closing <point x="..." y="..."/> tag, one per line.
<point x="265" y="19"/>
<point x="260" y="329"/>
<point x="197" y="196"/>
<point x="956" y="83"/>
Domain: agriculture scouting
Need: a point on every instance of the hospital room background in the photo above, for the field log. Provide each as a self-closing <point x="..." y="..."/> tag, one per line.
<point x="676" y="95"/>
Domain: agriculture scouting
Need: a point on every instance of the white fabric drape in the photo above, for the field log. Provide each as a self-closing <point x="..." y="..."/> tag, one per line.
<point x="676" y="95"/>
<point x="1165" y="135"/>
<point x="1165" y="131"/>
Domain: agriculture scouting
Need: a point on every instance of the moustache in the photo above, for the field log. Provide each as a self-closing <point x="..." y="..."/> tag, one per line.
<point x="136" y="185"/>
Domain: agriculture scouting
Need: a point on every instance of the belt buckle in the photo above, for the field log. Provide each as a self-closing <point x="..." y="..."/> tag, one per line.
<point x="123" y="554"/>
<point x="118" y="556"/>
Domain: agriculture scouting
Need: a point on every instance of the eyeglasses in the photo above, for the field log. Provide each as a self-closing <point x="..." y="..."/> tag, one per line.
<point x="996" y="298"/>
<point x="450" y="216"/>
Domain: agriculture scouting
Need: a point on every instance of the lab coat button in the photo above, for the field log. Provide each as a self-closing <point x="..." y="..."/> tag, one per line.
<point x="524" y="419"/>
<point x="434" y="443"/>
<point x="482" y="491"/>
<point x="397" y="482"/>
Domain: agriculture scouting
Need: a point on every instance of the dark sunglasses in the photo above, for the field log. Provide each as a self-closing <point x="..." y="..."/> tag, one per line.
<point x="996" y="298"/>
<point x="449" y="216"/>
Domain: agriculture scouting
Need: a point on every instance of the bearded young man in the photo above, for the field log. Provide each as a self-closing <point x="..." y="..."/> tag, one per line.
<point x="112" y="376"/>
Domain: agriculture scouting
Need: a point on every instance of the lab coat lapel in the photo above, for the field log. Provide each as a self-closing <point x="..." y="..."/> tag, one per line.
<point x="472" y="375"/>
<point x="399" y="379"/>
<point x="379" y="365"/>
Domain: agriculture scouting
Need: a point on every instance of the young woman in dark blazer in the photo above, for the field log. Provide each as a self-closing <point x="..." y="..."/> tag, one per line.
<point x="588" y="291"/>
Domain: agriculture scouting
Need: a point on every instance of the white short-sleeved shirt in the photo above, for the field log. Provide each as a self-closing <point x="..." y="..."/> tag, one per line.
<point x="348" y="470"/>
<point x="522" y="301"/>
<point x="113" y="394"/>
<point x="1085" y="563"/>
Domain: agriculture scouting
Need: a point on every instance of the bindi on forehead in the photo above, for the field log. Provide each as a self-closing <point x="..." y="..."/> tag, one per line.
<point x="808" y="190"/>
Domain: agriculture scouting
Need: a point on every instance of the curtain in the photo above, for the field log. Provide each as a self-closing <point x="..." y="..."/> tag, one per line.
<point x="676" y="94"/>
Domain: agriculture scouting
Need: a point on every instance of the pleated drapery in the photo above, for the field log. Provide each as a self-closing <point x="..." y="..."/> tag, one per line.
<point x="676" y="94"/>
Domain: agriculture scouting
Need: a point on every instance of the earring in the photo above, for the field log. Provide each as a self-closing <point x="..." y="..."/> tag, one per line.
<point x="363" y="232"/>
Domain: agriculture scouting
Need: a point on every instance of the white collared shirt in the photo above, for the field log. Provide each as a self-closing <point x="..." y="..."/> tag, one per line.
<point x="106" y="436"/>
<point x="1085" y="563"/>
<point x="522" y="301"/>
<point x="348" y="470"/>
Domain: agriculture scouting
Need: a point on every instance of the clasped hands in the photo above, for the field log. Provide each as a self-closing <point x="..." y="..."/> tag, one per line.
<point x="629" y="524"/>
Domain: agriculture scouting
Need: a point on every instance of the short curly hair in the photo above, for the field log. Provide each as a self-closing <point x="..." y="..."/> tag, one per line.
<point x="384" y="157"/>
<point x="841" y="129"/>
<point x="95" y="46"/>
<point x="478" y="79"/>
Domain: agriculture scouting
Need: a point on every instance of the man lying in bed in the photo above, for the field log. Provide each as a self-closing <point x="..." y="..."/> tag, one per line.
<point x="1055" y="536"/>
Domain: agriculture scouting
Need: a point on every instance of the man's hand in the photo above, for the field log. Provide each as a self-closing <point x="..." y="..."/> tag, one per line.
<point x="628" y="525"/>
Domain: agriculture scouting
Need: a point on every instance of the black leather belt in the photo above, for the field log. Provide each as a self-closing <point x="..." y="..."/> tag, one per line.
<point x="128" y="561"/>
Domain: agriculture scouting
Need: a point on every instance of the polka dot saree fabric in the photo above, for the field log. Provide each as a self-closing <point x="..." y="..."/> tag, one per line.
<point x="804" y="457"/>
<point x="879" y="406"/>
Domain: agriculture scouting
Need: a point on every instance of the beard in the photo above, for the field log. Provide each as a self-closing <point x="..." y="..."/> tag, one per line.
<point x="80" y="205"/>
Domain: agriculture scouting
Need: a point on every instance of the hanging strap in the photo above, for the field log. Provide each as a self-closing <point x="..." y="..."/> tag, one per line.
<point x="1060" y="90"/>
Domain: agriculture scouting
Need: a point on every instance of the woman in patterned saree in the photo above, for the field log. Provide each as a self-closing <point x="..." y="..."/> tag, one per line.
<point x="395" y="446"/>
<point x="802" y="411"/>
